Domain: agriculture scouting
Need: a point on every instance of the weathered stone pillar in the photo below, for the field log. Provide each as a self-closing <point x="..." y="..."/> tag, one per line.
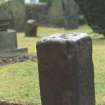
<point x="66" y="70"/>
<point x="31" y="28"/>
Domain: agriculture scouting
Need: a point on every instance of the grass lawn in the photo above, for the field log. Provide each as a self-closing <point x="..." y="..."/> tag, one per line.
<point x="20" y="81"/>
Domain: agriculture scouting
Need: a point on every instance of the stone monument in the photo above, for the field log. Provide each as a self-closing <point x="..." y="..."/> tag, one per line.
<point x="31" y="28"/>
<point x="66" y="69"/>
<point x="8" y="39"/>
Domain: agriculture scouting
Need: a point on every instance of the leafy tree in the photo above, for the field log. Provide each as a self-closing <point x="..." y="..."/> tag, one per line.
<point x="94" y="12"/>
<point x="44" y="0"/>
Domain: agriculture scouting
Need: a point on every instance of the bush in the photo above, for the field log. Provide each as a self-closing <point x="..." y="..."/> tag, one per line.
<point x="44" y="0"/>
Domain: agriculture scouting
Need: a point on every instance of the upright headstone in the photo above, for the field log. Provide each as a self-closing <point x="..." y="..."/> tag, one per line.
<point x="66" y="70"/>
<point x="8" y="38"/>
<point x="8" y="44"/>
<point x="31" y="28"/>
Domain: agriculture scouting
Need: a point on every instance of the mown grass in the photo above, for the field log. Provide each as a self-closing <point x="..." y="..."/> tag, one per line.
<point x="30" y="43"/>
<point x="20" y="81"/>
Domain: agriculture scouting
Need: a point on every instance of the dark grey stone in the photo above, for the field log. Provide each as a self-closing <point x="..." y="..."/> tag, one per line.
<point x="66" y="70"/>
<point x="31" y="28"/>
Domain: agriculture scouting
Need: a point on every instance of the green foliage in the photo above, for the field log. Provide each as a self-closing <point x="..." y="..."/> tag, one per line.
<point x="20" y="82"/>
<point x="44" y="0"/>
<point x="93" y="11"/>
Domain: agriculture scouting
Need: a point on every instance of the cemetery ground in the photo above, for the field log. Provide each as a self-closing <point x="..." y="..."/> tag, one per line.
<point x="19" y="81"/>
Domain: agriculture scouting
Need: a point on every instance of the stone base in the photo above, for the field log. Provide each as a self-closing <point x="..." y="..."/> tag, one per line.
<point x="13" y="52"/>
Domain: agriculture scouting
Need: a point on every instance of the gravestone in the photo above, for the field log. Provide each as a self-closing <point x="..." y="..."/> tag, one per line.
<point x="8" y="40"/>
<point x="66" y="69"/>
<point x="31" y="28"/>
<point x="37" y="12"/>
<point x="94" y="12"/>
<point x="8" y="44"/>
<point x="64" y="13"/>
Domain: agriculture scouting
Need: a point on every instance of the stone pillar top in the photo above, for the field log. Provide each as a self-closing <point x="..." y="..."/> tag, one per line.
<point x="62" y="37"/>
<point x="66" y="73"/>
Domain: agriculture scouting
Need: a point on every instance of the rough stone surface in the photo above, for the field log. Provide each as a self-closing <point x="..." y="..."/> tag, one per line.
<point x="66" y="70"/>
<point x="31" y="28"/>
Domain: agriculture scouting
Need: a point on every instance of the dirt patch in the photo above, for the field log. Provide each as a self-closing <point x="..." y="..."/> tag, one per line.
<point x="16" y="59"/>
<point x="6" y="102"/>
